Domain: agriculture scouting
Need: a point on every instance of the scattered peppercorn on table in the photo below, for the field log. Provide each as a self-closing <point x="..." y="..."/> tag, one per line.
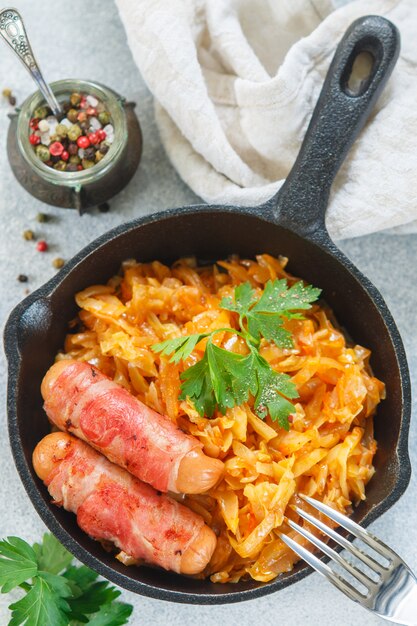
<point x="89" y="42"/>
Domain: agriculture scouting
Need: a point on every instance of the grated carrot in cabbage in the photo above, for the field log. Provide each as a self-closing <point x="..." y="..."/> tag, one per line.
<point x="329" y="448"/>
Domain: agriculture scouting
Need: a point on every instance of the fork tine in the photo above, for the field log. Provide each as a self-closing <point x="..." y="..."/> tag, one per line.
<point x="357" y="574"/>
<point x="342" y="541"/>
<point x="370" y="540"/>
<point x="322" y="569"/>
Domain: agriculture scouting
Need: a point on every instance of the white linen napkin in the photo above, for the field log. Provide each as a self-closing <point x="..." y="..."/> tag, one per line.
<point x="235" y="83"/>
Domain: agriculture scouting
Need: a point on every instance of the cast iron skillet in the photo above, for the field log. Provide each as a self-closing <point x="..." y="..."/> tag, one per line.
<point x="291" y="224"/>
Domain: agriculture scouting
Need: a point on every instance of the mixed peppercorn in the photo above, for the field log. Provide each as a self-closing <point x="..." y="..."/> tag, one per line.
<point x="8" y="94"/>
<point x="41" y="246"/>
<point x="79" y="140"/>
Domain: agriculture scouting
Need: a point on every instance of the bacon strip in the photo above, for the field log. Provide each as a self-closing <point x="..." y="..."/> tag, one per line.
<point x="84" y="402"/>
<point x="112" y="505"/>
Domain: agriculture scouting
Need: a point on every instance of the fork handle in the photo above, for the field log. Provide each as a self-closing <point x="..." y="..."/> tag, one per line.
<point x="403" y="592"/>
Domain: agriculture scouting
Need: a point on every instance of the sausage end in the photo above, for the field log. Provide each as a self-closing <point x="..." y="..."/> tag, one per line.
<point x="50" y="451"/>
<point x="51" y="376"/>
<point x="199" y="552"/>
<point x="198" y="473"/>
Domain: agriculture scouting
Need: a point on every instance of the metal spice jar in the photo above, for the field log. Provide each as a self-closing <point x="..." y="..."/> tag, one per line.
<point x="74" y="187"/>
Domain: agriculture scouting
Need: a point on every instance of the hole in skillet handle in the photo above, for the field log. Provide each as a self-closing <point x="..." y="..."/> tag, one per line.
<point x="360" y="68"/>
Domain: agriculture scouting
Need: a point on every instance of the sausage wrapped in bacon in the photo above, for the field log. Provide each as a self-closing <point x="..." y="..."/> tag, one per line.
<point x="112" y="505"/>
<point x="81" y="400"/>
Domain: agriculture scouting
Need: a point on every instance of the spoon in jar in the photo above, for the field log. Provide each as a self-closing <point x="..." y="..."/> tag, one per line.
<point x="13" y="32"/>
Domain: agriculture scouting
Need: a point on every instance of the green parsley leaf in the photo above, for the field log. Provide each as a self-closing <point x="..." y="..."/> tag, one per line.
<point x="270" y="326"/>
<point x="228" y="376"/>
<point x="92" y="598"/>
<point x="179" y="347"/>
<point x="51" y="555"/>
<point x="273" y="390"/>
<point x="224" y="379"/>
<point x="279" y="298"/>
<point x="17" y="563"/>
<point x="243" y="298"/>
<point x="59" y="593"/>
<point x="115" y="614"/>
<point x="80" y="577"/>
<point x="196" y="385"/>
<point x="58" y="584"/>
<point x="265" y="316"/>
<point x="41" y="606"/>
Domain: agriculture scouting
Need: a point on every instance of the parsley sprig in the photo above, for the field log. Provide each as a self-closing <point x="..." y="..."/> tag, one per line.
<point x="57" y="592"/>
<point x="223" y="379"/>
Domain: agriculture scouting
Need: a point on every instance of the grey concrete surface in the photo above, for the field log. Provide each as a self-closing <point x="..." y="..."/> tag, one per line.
<point x="86" y="39"/>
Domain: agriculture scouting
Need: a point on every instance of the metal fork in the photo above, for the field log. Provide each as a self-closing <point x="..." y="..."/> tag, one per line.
<point x="384" y="584"/>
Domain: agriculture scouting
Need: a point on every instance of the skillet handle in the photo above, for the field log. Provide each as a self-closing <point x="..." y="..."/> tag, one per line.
<point x="336" y="121"/>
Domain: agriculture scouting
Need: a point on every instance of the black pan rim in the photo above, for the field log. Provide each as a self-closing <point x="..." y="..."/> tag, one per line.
<point x="264" y="213"/>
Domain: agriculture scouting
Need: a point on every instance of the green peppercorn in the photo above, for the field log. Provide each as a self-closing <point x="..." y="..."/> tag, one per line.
<point x="29" y="235"/>
<point x="40" y="113"/>
<point x="104" y="118"/>
<point x="42" y="217"/>
<point x="72" y="115"/>
<point x="74" y="132"/>
<point x="75" y="159"/>
<point x="61" y="130"/>
<point x="58" y="263"/>
<point x="99" y="156"/>
<point x="75" y="99"/>
<point x="7" y="93"/>
<point x="60" y="165"/>
<point x="42" y="153"/>
<point x="87" y="164"/>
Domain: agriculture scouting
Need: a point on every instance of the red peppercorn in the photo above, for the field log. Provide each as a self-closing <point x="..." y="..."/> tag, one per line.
<point x="42" y="246"/>
<point x="83" y="103"/>
<point x="82" y="116"/>
<point x="101" y="134"/>
<point x="79" y="167"/>
<point x="34" y="123"/>
<point x="93" y="137"/>
<point x="56" y="148"/>
<point x="91" y="111"/>
<point x="83" y="142"/>
<point x="65" y="155"/>
<point x="34" y="139"/>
